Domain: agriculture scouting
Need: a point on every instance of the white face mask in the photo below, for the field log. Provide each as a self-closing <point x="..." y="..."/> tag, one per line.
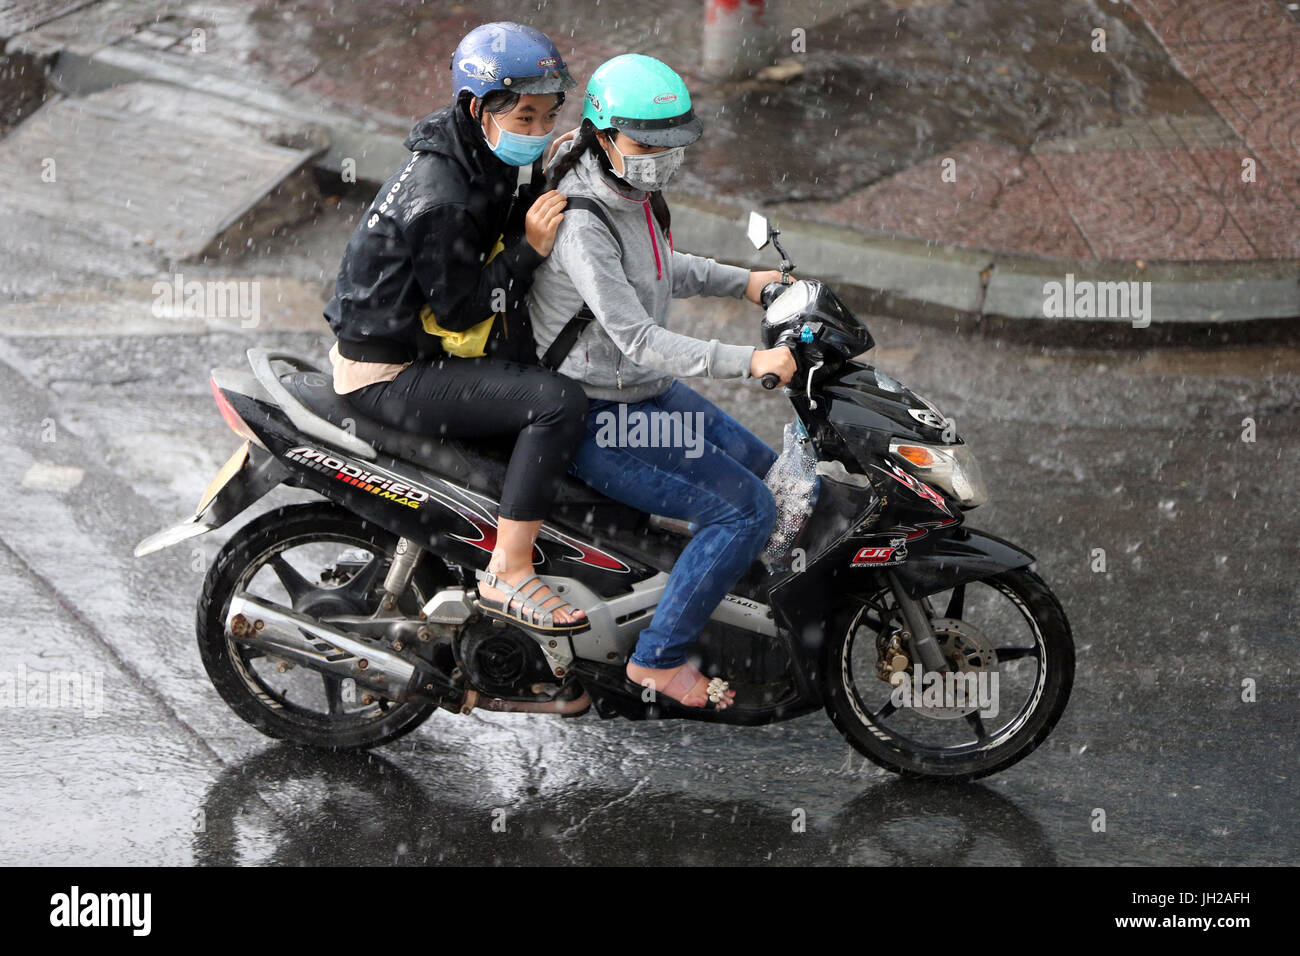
<point x="650" y="171"/>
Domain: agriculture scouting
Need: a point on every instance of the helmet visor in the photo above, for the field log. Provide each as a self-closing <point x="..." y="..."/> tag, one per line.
<point x="555" y="80"/>
<point x="673" y="131"/>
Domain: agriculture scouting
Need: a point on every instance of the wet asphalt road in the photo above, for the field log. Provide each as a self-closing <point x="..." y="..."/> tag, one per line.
<point x="1138" y="453"/>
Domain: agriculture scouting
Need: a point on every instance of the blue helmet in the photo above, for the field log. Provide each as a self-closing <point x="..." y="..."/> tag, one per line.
<point x="508" y="56"/>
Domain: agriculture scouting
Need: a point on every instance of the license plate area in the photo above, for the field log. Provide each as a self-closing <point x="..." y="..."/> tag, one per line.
<point x="232" y="467"/>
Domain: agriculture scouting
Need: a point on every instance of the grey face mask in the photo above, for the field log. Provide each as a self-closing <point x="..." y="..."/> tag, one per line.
<point x="651" y="171"/>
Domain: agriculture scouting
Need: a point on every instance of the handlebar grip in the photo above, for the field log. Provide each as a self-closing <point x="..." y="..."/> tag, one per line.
<point x="770" y="380"/>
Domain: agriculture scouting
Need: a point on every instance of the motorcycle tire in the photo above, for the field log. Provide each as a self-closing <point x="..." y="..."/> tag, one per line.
<point x="252" y="547"/>
<point x="885" y="747"/>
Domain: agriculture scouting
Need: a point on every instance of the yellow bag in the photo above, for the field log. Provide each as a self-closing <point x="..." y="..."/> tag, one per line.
<point x="471" y="343"/>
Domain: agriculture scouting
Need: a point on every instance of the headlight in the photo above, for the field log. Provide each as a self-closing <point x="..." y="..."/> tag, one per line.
<point x="788" y="304"/>
<point x="950" y="467"/>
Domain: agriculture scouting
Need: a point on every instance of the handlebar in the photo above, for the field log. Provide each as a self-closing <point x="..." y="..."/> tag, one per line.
<point x="769" y="380"/>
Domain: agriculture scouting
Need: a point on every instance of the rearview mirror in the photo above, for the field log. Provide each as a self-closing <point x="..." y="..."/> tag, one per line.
<point x="758" y="232"/>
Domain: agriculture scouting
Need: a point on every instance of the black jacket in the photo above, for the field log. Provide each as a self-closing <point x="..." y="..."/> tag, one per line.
<point x="424" y="241"/>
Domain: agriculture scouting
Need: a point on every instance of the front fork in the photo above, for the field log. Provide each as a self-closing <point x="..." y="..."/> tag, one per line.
<point x="918" y="636"/>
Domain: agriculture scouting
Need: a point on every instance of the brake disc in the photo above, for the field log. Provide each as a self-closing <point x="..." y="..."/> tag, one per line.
<point x="967" y="651"/>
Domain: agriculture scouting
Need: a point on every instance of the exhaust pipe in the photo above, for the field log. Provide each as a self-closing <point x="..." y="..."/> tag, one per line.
<point x="306" y="641"/>
<point x="564" y="708"/>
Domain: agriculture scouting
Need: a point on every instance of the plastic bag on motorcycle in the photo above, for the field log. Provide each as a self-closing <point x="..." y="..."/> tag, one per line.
<point x="792" y="479"/>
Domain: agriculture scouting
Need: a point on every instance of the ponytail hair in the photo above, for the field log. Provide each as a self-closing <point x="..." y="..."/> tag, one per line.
<point x="586" y="142"/>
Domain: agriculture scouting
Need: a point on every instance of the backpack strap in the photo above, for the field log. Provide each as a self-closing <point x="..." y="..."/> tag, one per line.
<point x="568" y="336"/>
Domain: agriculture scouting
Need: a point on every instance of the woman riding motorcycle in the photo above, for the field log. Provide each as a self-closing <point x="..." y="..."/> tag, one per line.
<point x="433" y="333"/>
<point x="616" y="257"/>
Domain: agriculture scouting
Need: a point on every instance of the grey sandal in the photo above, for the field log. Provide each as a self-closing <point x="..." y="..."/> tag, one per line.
<point x="539" y="619"/>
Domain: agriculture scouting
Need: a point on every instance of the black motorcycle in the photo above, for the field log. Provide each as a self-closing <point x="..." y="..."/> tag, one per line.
<point x="344" y="623"/>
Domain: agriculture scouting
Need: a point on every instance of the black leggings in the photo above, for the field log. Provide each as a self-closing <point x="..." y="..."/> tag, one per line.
<point x="478" y="397"/>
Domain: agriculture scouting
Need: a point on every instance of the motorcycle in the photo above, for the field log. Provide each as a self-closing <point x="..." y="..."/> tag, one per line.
<point x="344" y="623"/>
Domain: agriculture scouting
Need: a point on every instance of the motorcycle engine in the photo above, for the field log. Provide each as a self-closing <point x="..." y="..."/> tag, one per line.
<point x="504" y="662"/>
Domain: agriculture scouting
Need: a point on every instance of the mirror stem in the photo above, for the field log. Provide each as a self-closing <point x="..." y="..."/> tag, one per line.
<point x="786" y="265"/>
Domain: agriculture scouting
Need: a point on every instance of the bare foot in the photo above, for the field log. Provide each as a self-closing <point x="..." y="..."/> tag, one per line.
<point x="684" y="684"/>
<point x="547" y="598"/>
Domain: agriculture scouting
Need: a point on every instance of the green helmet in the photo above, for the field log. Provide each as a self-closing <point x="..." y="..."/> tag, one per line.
<point x="643" y="98"/>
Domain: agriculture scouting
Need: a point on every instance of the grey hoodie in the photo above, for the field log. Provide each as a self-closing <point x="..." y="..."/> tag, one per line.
<point x="628" y="354"/>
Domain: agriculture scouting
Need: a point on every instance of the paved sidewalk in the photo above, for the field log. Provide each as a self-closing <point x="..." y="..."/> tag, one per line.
<point x="1120" y="165"/>
<point x="1158" y="189"/>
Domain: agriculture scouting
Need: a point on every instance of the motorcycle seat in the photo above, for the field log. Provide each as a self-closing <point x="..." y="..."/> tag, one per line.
<point x="479" y="466"/>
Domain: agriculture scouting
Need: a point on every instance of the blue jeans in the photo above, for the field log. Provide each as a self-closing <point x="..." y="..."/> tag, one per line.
<point x="713" y="477"/>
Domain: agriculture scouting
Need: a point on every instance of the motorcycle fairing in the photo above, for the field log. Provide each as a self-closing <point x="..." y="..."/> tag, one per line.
<point x="966" y="555"/>
<point x="453" y="520"/>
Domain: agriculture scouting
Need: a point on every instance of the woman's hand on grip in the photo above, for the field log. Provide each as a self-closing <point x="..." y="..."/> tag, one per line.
<point x="778" y="361"/>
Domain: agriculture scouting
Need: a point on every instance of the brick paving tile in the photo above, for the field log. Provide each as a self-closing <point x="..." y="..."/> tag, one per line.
<point x="1272" y="133"/>
<point x="1285" y="165"/>
<point x="1000" y="201"/>
<point x="1150" y="204"/>
<point x="1182" y="22"/>
<point x="1264" y="209"/>
<point x="1259" y="69"/>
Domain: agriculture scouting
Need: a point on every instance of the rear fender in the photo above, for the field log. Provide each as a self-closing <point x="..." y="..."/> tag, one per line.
<point x="248" y="475"/>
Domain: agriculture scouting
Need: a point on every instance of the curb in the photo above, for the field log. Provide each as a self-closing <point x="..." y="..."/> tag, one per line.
<point x="946" y="282"/>
<point x="921" y="279"/>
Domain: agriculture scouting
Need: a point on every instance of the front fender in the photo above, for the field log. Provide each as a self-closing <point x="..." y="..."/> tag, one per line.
<point x="966" y="555"/>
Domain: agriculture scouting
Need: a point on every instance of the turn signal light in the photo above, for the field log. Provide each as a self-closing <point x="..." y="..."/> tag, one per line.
<point x="921" y="457"/>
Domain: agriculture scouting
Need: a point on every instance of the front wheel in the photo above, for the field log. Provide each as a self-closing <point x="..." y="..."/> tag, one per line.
<point x="1010" y="661"/>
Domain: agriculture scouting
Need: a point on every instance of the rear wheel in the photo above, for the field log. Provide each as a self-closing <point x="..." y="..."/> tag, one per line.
<point x="1011" y="662"/>
<point x="318" y="560"/>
